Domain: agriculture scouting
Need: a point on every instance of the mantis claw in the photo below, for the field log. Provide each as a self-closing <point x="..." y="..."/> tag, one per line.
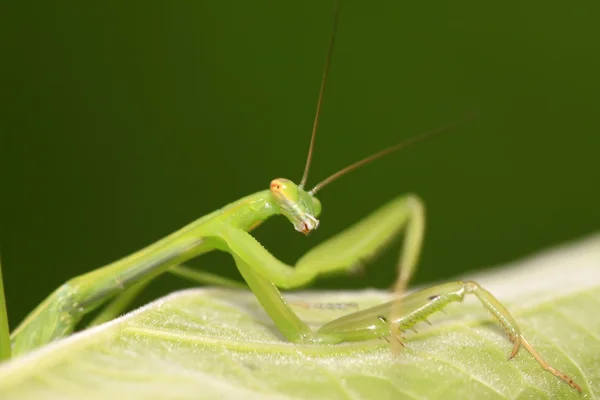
<point x="515" y="350"/>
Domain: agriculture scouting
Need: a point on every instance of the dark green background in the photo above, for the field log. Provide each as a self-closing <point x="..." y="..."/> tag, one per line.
<point x="122" y="122"/>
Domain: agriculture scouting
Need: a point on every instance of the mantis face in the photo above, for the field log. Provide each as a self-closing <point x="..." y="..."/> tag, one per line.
<point x="296" y="204"/>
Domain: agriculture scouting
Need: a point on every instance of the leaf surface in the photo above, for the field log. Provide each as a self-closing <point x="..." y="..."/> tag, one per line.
<point x="219" y="344"/>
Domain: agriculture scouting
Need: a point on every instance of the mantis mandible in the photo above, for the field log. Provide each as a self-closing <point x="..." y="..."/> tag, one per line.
<point x="228" y="229"/>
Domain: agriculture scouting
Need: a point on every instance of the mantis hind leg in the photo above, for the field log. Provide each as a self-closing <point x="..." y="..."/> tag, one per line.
<point x="123" y="300"/>
<point x="60" y="312"/>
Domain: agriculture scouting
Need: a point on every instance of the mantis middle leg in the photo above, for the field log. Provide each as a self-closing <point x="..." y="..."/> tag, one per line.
<point x="264" y="273"/>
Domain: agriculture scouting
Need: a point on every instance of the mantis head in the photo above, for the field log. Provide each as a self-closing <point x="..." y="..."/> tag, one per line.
<point x="299" y="206"/>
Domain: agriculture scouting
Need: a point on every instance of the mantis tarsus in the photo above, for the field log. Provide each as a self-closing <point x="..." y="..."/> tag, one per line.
<point x="227" y="229"/>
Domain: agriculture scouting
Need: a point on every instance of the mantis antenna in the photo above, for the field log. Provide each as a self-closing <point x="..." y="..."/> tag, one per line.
<point x="402" y="145"/>
<point x="372" y="157"/>
<point x="336" y="13"/>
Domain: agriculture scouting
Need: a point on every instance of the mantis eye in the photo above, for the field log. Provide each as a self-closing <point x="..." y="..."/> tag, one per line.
<point x="284" y="189"/>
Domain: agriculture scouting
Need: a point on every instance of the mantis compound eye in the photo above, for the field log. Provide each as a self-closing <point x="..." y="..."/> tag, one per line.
<point x="284" y="190"/>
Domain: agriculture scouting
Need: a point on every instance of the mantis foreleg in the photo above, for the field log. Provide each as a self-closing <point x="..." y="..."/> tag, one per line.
<point x="373" y="322"/>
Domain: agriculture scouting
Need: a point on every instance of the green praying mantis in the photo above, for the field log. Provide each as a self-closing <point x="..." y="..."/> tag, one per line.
<point x="228" y="230"/>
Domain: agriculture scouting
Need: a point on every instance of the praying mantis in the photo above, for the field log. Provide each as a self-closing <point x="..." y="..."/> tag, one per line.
<point x="229" y="230"/>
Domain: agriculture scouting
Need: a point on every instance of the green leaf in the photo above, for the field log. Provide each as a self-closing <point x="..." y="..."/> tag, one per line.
<point x="218" y="344"/>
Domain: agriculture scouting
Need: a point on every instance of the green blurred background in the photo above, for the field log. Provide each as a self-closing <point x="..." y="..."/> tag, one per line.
<point x="122" y="122"/>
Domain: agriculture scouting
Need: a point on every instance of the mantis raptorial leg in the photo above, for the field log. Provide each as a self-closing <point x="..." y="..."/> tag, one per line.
<point x="228" y="229"/>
